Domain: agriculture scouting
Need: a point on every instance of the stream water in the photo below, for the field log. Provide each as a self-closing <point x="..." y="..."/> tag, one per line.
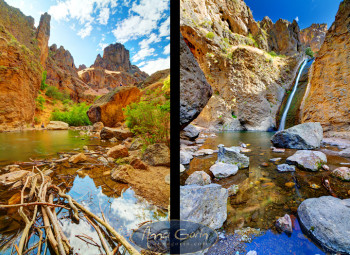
<point x="122" y="209"/>
<point x="263" y="195"/>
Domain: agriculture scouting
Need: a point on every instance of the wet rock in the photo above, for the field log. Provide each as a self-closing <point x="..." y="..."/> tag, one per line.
<point x="232" y="190"/>
<point x="223" y="170"/>
<point x="57" y="125"/>
<point x="98" y="126"/>
<point x="315" y="186"/>
<point x="278" y="150"/>
<point x="119" y="151"/>
<point x="138" y="164"/>
<point x="157" y="154"/>
<point x="190" y="132"/>
<point x="182" y="168"/>
<point x="245" y="150"/>
<point x="199" y="178"/>
<point x="284" y="224"/>
<point x="308" y="160"/>
<point x="185" y="157"/>
<point x="342" y="173"/>
<point x="285" y="168"/>
<point x="203" y="152"/>
<point x="119" y="133"/>
<point x="77" y="158"/>
<point x="12" y="177"/>
<point x="289" y="184"/>
<point x="345" y="153"/>
<point x="306" y="136"/>
<point x="195" y="91"/>
<point x="233" y="156"/>
<point x="264" y="164"/>
<point x="136" y="145"/>
<point x="113" y="140"/>
<point x="325" y="167"/>
<point x="275" y="159"/>
<point x="121" y="173"/>
<point x="204" y="204"/>
<point x="327" y="220"/>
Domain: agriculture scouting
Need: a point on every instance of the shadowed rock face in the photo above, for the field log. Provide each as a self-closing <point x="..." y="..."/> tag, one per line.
<point x="194" y="88"/>
<point x="43" y="35"/>
<point x="108" y="108"/>
<point x="327" y="97"/>
<point x="313" y="36"/>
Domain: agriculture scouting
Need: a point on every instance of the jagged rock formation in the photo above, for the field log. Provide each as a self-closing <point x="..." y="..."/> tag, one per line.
<point x="313" y="36"/>
<point x="232" y="50"/>
<point x="194" y="88"/>
<point x="20" y="69"/>
<point x="43" y="35"/>
<point x="327" y="97"/>
<point x="155" y="77"/>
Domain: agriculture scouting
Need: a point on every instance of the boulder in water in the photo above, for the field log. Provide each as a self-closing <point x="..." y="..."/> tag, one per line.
<point x="285" y="168"/>
<point x="157" y="154"/>
<point x="57" y="125"/>
<point x="284" y="224"/>
<point x="119" y="151"/>
<point x="190" y="132"/>
<point x="327" y="220"/>
<point x="306" y="136"/>
<point x="223" y="170"/>
<point x="233" y="156"/>
<point x="185" y="157"/>
<point x="77" y="158"/>
<point x="199" y="178"/>
<point x="342" y="173"/>
<point x="119" y="133"/>
<point x="204" y="204"/>
<point x="308" y="160"/>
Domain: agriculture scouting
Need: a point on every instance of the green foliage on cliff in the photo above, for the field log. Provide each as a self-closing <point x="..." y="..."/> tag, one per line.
<point x="75" y="115"/>
<point x="309" y="52"/>
<point x="54" y="93"/>
<point x="210" y="35"/>
<point x="40" y="103"/>
<point x="43" y="81"/>
<point x="150" y="118"/>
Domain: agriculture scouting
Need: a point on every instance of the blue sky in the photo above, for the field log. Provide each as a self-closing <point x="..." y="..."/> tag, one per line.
<point x="305" y="11"/>
<point x="85" y="27"/>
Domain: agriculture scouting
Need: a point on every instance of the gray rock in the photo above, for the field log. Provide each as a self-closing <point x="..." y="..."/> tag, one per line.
<point x="203" y="152"/>
<point x="199" y="178"/>
<point x="204" y="204"/>
<point x="223" y="170"/>
<point x="327" y="220"/>
<point x="195" y="91"/>
<point x="284" y="224"/>
<point x="285" y="168"/>
<point x="275" y="159"/>
<point x="182" y="168"/>
<point x="185" y="157"/>
<point x="308" y="160"/>
<point x="157" y="154"/>
<point x="232" y="190"/>
<point x="190" y="132"/>
<point x="345" y="153"/>
<point x="119" y="133"/>
<point x="136" y="145"/>
<point x="306" y="136"/>
<point x="342" y="173"/>
<point x="233" y="156"/>
<point x="57" y="125"/>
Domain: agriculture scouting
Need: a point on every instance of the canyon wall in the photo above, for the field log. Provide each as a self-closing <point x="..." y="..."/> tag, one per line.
<point x="235" y="53"/>
<point x="313" y="36"/>
<point x="327" y="99"/>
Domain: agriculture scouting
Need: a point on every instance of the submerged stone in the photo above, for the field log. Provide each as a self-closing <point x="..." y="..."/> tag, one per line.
<point x="308" y="160"/>
<point x="199" y="178"/>
<point x="342" y="173"/>
<point x="223" y="170"/>
<point x="233" y="156"/>
<point x="284" y="224"/>
<point x="285" y="168"/>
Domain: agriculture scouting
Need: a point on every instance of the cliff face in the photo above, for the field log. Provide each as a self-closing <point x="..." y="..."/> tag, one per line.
<point x="232" y="50"/>
<point x="328" y="95"/>
<point x="313" y="36"/>
<point x="42" y="36"/>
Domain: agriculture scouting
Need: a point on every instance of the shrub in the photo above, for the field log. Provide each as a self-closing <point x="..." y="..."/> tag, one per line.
<point x="75" y="116"/>
<point x="309" y="52"/>
<point x="150" y="118"/>
<point x="43" y="81"/>
<point x="273" y="54"/>
<point x="40" y="103"/>
<point x="54" y="93"/>
<point x="37" y="120"/>
<point x="210" y="35"/>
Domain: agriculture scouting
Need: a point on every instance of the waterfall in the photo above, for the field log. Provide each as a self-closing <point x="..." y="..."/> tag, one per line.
<point x="290" y="98"/>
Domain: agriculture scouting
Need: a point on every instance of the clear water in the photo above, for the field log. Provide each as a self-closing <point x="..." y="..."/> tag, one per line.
<point x="122" y="209"/>
<point x="263" y="196"/>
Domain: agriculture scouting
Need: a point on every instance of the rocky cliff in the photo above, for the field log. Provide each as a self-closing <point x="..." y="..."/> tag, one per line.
<point x="328" y="95"/>
<point x="313" y="36"/>
<point x="235" y="53"/>
<point x="42" y="36"/>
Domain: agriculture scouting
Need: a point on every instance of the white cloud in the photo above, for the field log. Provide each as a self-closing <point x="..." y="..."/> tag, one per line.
<point x="297" y="19"/>
<point x="104" y="16"/>
<point x="142" y="54"/>
<point x="167" y="49"/>
<point x="145" y="19"/>
<point x="102" y="46"/>
<point x="86" y="31"/>
<point x="164" y="29"/>
<point x="155" y="65"/>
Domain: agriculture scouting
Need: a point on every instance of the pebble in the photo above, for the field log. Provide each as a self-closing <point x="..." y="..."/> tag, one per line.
<point x="290" y="184"/>
<point x="278" y="150"/>
<point x="275" y="159"/>
<point x="264" y="164"/>
<point x="325" y="167"/>
<point x="314" y="186"/>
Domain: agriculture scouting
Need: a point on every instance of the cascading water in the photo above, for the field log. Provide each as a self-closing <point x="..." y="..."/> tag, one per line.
<point x="290" y="98"/>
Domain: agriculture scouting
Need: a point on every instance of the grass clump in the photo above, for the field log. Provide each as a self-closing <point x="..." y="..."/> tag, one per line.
<point x="150" y="117"/>
<point x="309" y="52"/>
<point x="273" y="54"/>
<point x="43" y="81"/>
<point x="54" y="93"/>
<point x="75" y="115"/>
<point x="210" y="35"/>
<point x="40" y="103"/>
